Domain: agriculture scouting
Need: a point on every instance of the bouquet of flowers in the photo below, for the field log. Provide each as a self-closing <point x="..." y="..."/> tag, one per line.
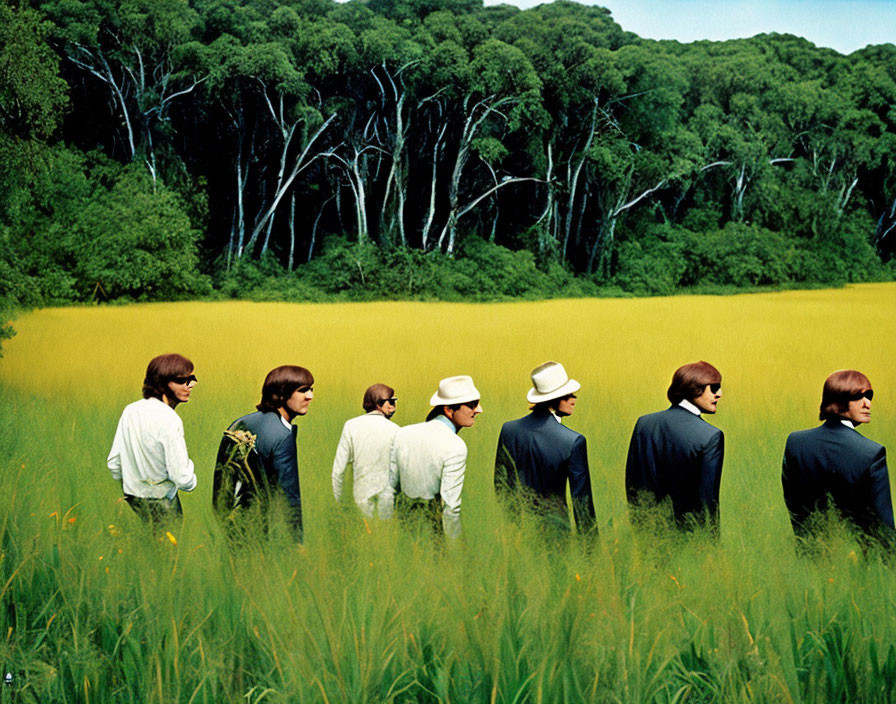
<point x="238" y="474"/>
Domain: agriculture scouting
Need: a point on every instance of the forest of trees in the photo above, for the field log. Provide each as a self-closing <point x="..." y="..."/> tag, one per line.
<point x="427" y="148"/>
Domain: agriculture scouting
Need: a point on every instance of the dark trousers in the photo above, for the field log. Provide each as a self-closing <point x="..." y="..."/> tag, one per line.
<point x="157" y="512"/>
<point x="422" y="514"/>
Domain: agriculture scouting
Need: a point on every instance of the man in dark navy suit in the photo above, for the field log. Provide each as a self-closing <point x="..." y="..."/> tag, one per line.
<point x="537" y="454"/>
<point x="833" y="465"/>
<point x="675" y="454"/>
<point x="286" y="394"/>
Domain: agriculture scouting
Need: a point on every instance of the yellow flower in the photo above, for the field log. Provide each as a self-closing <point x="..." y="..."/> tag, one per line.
<point x="171" y="537"/>
<point x="578" y="577"/>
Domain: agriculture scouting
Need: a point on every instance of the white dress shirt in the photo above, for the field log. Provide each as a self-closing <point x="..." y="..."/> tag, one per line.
<point x="366" y="442"/>
<point x="429" y="459"/>
<point x="688" y="406"/>
<point x="149" y="454"/>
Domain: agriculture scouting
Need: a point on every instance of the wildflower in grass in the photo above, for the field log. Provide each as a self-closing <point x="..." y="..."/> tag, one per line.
<point x="852" y="556"/>
<point x="578" y="577"/>
<point x="170" y="536"/>
<point x="55" y="514"/>
<point x="113" y="530"/>
<point x="72" y="519"/>
<point x="101" y="557"/>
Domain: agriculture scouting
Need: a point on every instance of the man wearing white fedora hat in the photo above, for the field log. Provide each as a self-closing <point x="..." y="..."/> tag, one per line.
<point x="428" y="459"/>
<point x="539" y="453"/>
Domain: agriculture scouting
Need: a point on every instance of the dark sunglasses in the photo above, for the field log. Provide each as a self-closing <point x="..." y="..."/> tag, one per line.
<point x="472" y="405"/>
<point x="384" y="401"/>
<point x="869" y="394"/>
<point x="185" y="379"/>
<point x="305" y="389"/>
<point x="714" y="387"/>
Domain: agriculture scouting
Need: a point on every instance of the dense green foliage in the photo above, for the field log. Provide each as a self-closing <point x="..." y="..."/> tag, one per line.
<point x="149" y="149"/>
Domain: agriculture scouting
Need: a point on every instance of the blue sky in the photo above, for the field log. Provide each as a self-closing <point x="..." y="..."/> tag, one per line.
<point x="844" y="25"/>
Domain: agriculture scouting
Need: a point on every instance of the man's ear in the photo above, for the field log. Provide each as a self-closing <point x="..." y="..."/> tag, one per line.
<point x="449" y="412"/>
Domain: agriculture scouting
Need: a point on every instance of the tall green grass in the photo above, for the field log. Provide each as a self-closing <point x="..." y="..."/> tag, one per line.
<point x="94" y="608"/>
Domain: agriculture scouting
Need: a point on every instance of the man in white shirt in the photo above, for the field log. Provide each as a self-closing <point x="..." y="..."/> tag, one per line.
<point x="428" y="459"/>
<point x="365" y="443"/>
<point x="149" y="454"/>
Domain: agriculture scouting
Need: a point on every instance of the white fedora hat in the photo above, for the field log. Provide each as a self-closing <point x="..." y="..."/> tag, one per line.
<point x="455" y="389"/>
<point x="550" y="381"/>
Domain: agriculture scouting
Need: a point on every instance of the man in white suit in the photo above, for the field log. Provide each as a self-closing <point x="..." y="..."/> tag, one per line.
<point x="365" y="443"/>
<point x="428" y="459"/>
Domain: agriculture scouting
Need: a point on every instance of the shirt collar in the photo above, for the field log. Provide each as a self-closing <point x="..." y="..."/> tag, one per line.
<point x="447" y="421"/>
<point x="285" y="422"/>
<point x="689" y="407"/>
<point x="848" y="423"/>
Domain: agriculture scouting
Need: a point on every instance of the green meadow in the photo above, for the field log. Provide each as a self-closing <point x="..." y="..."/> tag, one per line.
<point x="94" y="608"/>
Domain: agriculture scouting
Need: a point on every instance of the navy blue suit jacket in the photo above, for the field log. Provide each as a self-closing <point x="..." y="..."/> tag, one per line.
<point x="677" y="454"/>
<point x="276" y="447"/>
<point x="539" y="453"/>
<point x="834" y="463"/>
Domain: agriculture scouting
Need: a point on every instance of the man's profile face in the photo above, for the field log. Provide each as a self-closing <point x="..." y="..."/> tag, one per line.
<point x="179" y="389"/>
<point x="465" y="416"/>
<point x="387" y="406"/>
<point x="859" y="410"/>
<point x="709" y="399"/>
<point x="297" y="404"/>
<point x="566" y="405"/>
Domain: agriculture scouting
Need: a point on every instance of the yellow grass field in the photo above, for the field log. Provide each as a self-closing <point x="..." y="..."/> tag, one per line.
<point x="661" y="616"/>
<point x="774" y="351"/>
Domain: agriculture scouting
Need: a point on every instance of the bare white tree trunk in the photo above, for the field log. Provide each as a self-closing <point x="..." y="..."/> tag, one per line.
<point x="141" y="102"/>
<point x="431" y="211"/>
<point x="292" y="230"/>
<point x="607" y="230"/>
<point x="301" y="162"/>
<point x="475" y="117"/>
